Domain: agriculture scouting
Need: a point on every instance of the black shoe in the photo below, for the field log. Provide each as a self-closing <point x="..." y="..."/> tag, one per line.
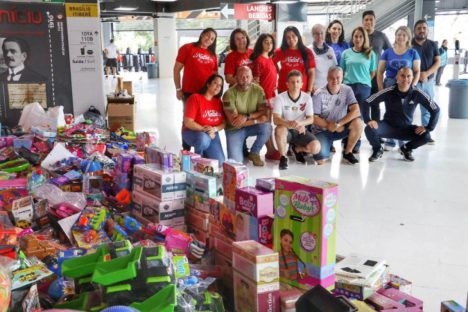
<point x="431" y="142"/>
<point x="185" y="146"/>
<point x="283" y="164"/>
<point x="289" y="153"/>
<point x="355" y="150"/>
<point x="332" y="149"/>
<point x="245" y="150"/>
<point x="376" y="154"/>
<point x="350" y="158"/>
<point x="407" y="153"/>
<point x="299" y="156"/>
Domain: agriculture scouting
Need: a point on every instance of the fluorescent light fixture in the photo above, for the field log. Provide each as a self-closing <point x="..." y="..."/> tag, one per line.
<point x="123" y="8"/>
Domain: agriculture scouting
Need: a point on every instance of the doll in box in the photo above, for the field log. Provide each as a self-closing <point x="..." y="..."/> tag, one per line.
<point x="291" y="266"/>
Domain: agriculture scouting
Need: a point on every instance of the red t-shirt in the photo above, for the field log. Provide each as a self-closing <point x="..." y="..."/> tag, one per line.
<point x="234" y="60"/>
<point x="204" y="112"/>
<point x="289" y="60"/>
<point x="199" y="65"/>
<point x="265" y="69"/>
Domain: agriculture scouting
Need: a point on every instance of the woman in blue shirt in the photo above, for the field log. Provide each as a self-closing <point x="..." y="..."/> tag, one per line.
<point x="359" y="67"/>
<point x="401" y="55"/>
<point x="335" y="38"/>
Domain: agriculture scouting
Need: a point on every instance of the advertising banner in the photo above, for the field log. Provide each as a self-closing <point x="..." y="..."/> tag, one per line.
<point x="34" y="60"/>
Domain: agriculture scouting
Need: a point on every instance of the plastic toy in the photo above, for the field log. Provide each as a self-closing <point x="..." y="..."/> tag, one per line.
<point x="16" y="165"/>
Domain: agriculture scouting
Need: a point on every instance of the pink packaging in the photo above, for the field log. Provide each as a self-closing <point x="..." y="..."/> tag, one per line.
<point x="288" y="299"/>
<point x="215" y="207"/>
<point x="396" y="295"/>
<point x="235" y="175"/>
<point x="205" y="165"/>
<point x="250" y="296"/>
<point x="198" y="219"/>
<point x="266" y="184"/>
<point x="200" y="234"/>
<point x="400" y="283"/>
<point x="254" y="202"/>
<point x="252" y="228"/>
<point x="228" y="221"/>
<point x="380" y="302"/>
<point x="411" y="309"/>
<point x="255" y="261"/>
<point x="223" y="246"/>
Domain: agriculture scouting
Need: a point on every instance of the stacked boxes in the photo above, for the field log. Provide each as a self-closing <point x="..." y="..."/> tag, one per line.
<point x="186" y="160"/>
<point x="305" y="231"/>
<point x="159" y="196"/>
<point x="256" y="277"/>
<point x="164" y="160"/>
<point x="123" y="170"/>
<point x="235" y="175"/>
<point x="254" y="215"/>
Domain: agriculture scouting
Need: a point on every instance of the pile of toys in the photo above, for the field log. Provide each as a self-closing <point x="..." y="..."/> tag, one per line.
<point x="91" y="220"/>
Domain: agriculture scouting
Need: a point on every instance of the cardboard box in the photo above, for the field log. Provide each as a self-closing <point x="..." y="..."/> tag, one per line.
<point x="121" y="115"/>
<point x="255" y="261"/>
<point x="226" y="267"/>
<point x="380" y="302"/>
<point x="200" y="235"/>
<point x="215" y="207"/>
<point x="205" y="165"/>
<point x="254" y="202"/>
<point x="305" y="230"/>
<point x="253" y="228"/>
<point x="127" y="85"/>
<point x="451" y="306"/>
<point x="399" y="296"/>
<point x="202" y="183"/>
<point x="156" y="211"/>
<point x="198" y="219"/>
<point x="228" y="221"/>
<point x="253" y="297"/>
<point x="165" y="186"/>
<point x="235" y="175"/>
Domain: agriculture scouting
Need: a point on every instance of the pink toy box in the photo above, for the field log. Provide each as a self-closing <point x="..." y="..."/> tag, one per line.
<point x="205" y="165"/>
<point x="162" y="159"/>
<point x="266" y="184"/>
<point x="164" y="212"/>
<point x="186" y="159"/>
<point x="404" y="298"/>
<point x="380" y="302"/>
<point x="148" y="179"/>
<point x="305" y="231"/>
<point x="255" y="261"/>
<point x="254" y="202"/>
<point x="235" y="175"/>
<point x="400" y="283"/>
<point x="198" y="219"/>
<point x="253" y="297"/>
<point x="258" y="229"/>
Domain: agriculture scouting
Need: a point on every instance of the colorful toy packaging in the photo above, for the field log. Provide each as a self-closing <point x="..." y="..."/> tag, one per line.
<point x="148" y="179"/>
<point x="254" y="202"/>
<point x="168" y="213"/>
<point x="186" y="159"/>
<point x="451" y="306"/>
<point x="251" y="296"/>
<point x="202" y="183"/>
<point x="235" y="175"/>
<point x="251" y="228"/>
<point x="305" y="231"/>
<point x="266" y="184"/>
<point x="205" y="165"/>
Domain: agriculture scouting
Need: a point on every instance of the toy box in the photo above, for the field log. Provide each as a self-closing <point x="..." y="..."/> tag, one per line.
<point x="265" y="184"/>
<point x="288" y="299"/>
<point x="227" y="219"/>
<point x="202" y="183"/>
<point x="359" y="288"/>
<point x="451" y="306"/>
<point x="201" y="201"/>
<point x="147" y="178"/>
<point x="201" y="235"/>
<point x="8" y="233"/>
<point x="161" y="158"/>
<point x="406" y="309"/>
<point x="305" y="231"/>
<point x="380" y="302"/>
<point x="400" y="283"/>
<point x="215" y="207"/>
<point x="255" y="261"/>
<point x="235" y="175"/>
<point x="254" y="202"/>
<point x="258" y="229"/>
<point x="362" y="306"/>
<point x="396" y="295"/>
<point x="186" y="159"/>
<point x="221" y="245"/>
<point x="250" y="296"/>
<point x="198" y="219"/>
<point x="158" y="211"/>
<point x="205" y="165"/>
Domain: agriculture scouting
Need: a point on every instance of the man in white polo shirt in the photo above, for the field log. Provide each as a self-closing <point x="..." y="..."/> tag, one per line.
<point x="111" y="54"/>
<point x="292" y="112"/>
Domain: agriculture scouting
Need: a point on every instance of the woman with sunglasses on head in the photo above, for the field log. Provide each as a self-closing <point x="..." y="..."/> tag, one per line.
<point x="293" y="54"/>
<point x="335" y="38"/>
<point x="265" y="73"/>
<point x="199" y="61"/>
<point x="239" y="56"/>
<point x="359" y="66"/>
<point x="204" y="118"/>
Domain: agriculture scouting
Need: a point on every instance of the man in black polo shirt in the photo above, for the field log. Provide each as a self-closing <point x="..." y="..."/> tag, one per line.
<point x="400" y="101"/>
<point x="430" y="62"/>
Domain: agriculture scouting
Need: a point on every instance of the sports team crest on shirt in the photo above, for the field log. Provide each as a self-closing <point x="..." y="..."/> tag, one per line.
<point x="302" y="106"/>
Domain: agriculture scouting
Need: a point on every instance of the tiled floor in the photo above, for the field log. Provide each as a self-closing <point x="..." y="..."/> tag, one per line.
<point x="414" y="215"/>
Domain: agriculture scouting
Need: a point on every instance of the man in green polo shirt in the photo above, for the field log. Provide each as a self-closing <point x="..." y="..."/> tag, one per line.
<point x="245" y="109"/>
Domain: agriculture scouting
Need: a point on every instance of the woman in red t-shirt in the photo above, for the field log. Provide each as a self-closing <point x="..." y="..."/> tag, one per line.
<point x="204" y="118"/>
<point x="264" y="72"/>
<point x="293" y="54"/>
<point x="239" y="55"/>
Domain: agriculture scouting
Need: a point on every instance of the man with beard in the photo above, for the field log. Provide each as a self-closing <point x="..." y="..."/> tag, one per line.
<point x="15" y="53"/>
<point x="245" y="109"/>
<point x="430" y="61"/>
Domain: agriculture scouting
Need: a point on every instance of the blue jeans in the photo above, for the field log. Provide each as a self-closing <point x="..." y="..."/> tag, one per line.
<point x="326" y="139"/>
<point x="427" y="87"/>
<point x="385" y="130"/>
<point x="361" y="93"/>
<point x="235" y="139"/>
<point x="204" y="145"/>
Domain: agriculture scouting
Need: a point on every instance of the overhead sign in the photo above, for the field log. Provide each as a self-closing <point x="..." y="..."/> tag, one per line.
<point x="226" y="11"/>
<point x="254" y="11"/>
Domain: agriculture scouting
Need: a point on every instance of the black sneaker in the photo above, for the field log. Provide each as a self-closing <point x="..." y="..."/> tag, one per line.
<point x="332" y="149"/>
<point x="431" y="142"/>
<point x="376" y="154"/>
<point x="407" y="153"/>
<point x="245" y="150"/>
<point x="355" y="150"/>
<point x="283" y="164"/>
<point x="350" y="158"/>
<point x="299" y="156"/>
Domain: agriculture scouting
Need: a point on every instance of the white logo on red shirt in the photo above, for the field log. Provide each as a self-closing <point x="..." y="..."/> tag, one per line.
<point x="209" y="114"/>
<point x="203" y="58"/>
<point x="293" y="59"/>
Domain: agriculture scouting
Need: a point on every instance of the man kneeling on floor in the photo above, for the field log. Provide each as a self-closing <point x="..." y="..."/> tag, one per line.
<point x="245" y="108"/>
<point x="337" y="116"/>
<point x="292" y="112"/>
<point x="400" y="101"/>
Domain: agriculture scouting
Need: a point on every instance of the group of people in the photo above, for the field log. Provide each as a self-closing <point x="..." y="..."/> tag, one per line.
<point x="313" y="96"/>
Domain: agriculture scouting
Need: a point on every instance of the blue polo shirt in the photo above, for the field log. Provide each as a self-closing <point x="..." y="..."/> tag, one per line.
<point x="427" y="51"/>
<point x="393" y="61"/>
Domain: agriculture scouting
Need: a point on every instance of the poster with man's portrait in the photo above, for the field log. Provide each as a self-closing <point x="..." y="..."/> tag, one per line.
<point x="34" y="62"/>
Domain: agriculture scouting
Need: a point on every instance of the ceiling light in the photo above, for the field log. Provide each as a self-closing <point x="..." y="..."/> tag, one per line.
<point x="123" y="8"/>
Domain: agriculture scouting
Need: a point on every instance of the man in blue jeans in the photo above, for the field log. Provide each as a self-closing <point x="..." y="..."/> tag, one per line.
<point x="336" y="116"/>
<point x="245" y="108"/>
<point x="400" y="101"/>
<point x="430" y="62"/>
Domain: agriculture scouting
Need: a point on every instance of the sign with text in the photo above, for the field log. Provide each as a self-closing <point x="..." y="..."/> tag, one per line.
<point x="264" y="12"/>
